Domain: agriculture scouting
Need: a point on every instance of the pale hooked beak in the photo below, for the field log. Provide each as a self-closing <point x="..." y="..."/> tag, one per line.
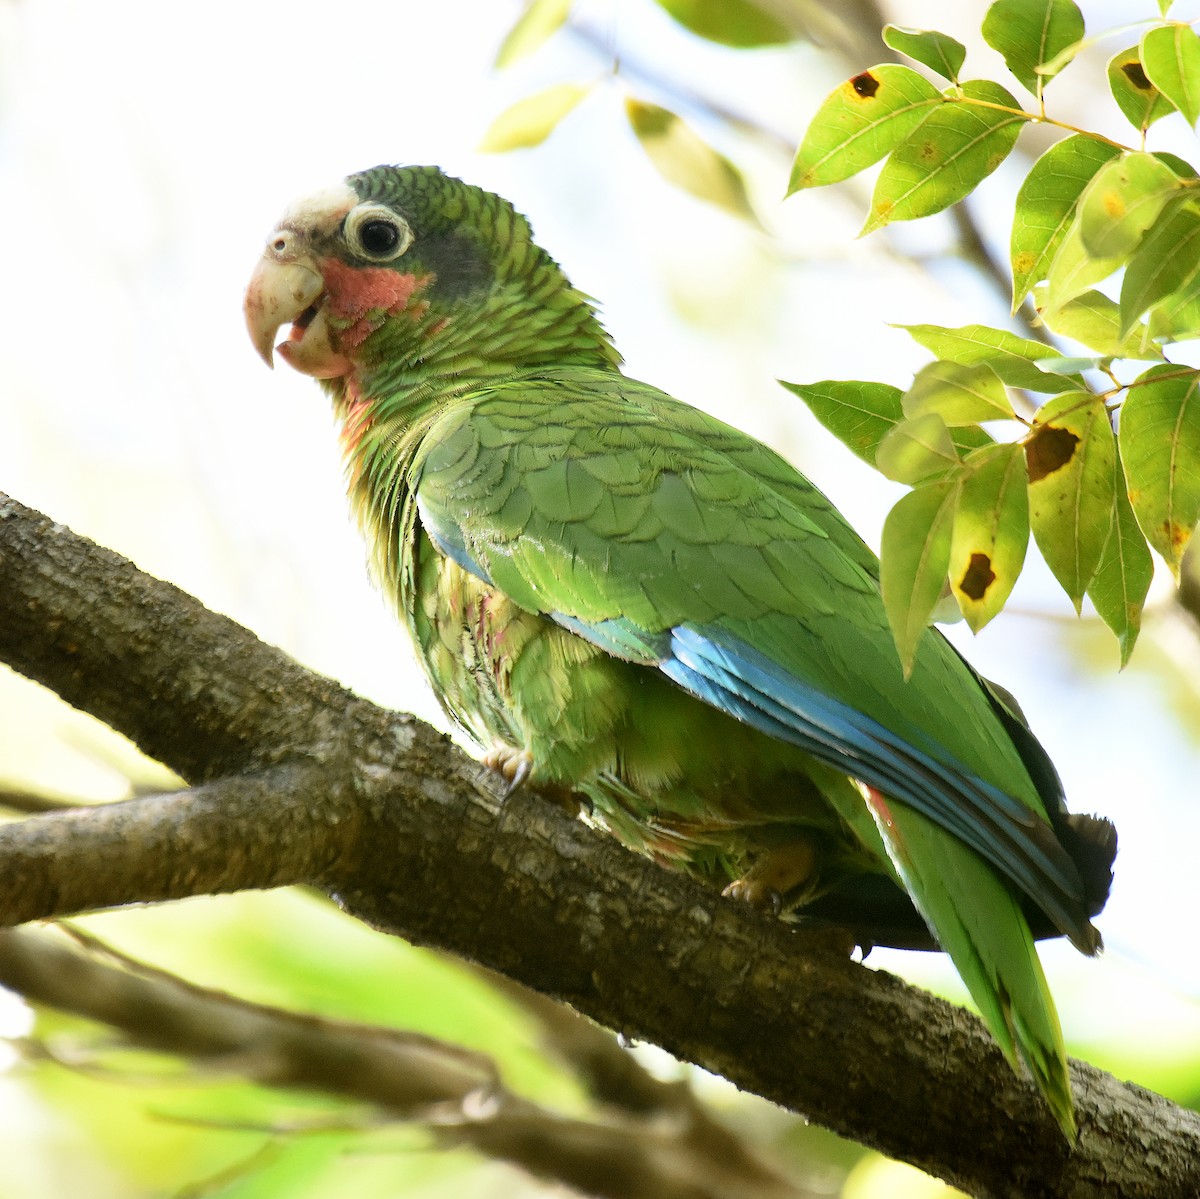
<point x="281" y="292"/>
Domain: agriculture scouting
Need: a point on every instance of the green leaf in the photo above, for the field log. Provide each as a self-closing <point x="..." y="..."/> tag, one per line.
<point x="1070" y="454"/>
<point x="991" y="532"/>
<point x="1138" y="98"/>
<point x="1170" y="57"/>
<point x="1073" y="270"/>
<point x="917" y="450"/>
<point x="960" y="393"/>
<point x="1030" y="33"/>
<point x="1177" y="318"/>
<point x="1167" y="263"/>
<point x="1010" y="356"/>
<point x="859" y="122"/>
<point x="915" y="554"/>
<point x="1122" y="201"/>
<point x="1123" y="577"/>
<point x="1164" y="6"/>
<point x="1094" y="320"/>
<point x="938" y="51"/>
<point x="954" y="149"/>
<point x="531" y="120"/>
<point x="1160" y="447"/>
<point x="540" y="19"/>
<point x="1045" y="206"/>
<point x="742" y="24"/>
<point x="858" y="414"/>
<point x="683" y="158"/>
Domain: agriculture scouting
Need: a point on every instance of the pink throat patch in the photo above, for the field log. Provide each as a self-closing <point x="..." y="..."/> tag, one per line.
<point x="362" y="298"/>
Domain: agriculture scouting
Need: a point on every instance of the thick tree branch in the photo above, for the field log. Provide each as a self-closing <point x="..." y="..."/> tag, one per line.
<point x="414" y="838"/>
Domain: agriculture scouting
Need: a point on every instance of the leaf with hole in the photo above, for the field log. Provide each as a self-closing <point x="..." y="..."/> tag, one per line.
<point x="948" y="155"/>
<point x="1070" y="455"/>
<point x="859" y="122"/>
<point x="937" y="51"/>
<point x="1170" y="57"/>
<point x="1160" y="447"/>
<point x="991" y="532"/>
<point x="1030" y="33"/>
<point x="1138" y="98"/>
<point x="914" y="557"/>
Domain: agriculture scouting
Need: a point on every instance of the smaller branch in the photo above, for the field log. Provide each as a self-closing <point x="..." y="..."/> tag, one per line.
<point x="616" y="1078"/>
<point x="455" y="1093"/>
<point x="32" y="803"/>
<point x="229" y="835"/>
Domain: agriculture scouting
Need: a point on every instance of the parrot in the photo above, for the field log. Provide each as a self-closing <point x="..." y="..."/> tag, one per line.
<point x="624" y="600"/>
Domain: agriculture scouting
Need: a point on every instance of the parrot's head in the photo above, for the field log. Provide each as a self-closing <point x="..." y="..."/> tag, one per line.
<point x="405" y="270"/>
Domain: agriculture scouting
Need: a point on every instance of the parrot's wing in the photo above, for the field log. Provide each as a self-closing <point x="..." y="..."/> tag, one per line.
<point x="668" y="538"/>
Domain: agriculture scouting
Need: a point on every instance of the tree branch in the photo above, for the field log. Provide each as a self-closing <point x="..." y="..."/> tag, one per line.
<point x="414" y="838"/>
<point x="456" y="1094"/>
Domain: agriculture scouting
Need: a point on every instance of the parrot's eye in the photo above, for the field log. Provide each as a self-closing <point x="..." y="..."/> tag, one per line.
<point x="376" y="232"/>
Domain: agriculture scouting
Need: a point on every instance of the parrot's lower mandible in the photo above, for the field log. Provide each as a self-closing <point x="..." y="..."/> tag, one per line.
<point x="620" y="596"/>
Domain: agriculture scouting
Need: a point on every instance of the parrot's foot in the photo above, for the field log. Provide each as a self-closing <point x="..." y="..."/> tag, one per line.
<point x="514" y="764"/>
<point x="776" y="873"/>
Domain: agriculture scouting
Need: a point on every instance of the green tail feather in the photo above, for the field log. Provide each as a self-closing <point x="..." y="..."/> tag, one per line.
<point x="979" y="923"/>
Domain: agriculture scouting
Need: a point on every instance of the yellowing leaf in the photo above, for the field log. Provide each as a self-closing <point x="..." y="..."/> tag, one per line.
<point x="1045" y="206"/>
<point x="1070" y="454"/>
<point x="1094" y="320"/>
<point x="1170" y="57"/>
<point x="540" y="19"/>
<point x="915" y="554"/>
<point x="859" y="122"/>
<point x="1122" y="202"/>
<point x="1073" y="270"/>
<point x="991" y="532"/>
<point x="917" y="450"/>
<point x="1123" y="577"/>
<point x="686" y="160"/>
<point x="960" y="393"/>
<point x="531" y="120"/>
<point x="1160" y="447"/>
<point x="957" y="146"/>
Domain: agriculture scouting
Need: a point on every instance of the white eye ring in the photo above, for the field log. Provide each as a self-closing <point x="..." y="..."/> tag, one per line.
<point x="377" y="233"/>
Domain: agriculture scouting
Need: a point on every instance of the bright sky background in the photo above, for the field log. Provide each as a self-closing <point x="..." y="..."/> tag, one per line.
<point x="145" y="152"/>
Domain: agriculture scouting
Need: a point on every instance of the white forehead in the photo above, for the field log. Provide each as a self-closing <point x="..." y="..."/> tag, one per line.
<point x="321" y="211"/>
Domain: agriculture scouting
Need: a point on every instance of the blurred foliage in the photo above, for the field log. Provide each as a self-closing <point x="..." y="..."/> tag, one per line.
<point x="105" y="1121"/>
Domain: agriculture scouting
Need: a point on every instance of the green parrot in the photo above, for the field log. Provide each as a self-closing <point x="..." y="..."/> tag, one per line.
<point x="624" y="599"/>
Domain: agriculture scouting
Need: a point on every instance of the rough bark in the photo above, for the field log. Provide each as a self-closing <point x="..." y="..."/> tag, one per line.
<point x="413" y="837"/>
